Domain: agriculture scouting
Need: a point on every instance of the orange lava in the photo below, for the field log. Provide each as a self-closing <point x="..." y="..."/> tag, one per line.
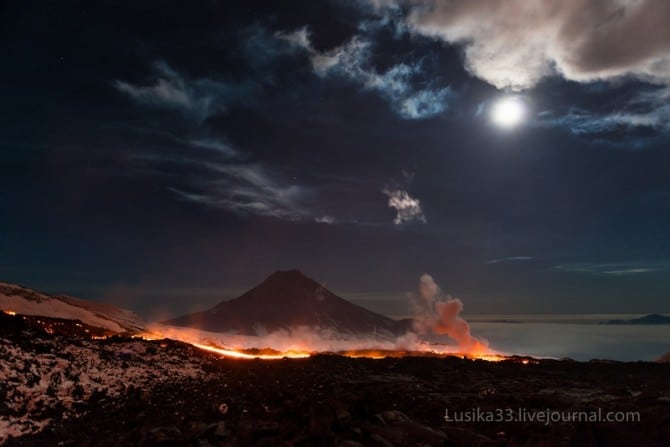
<point x="299" y="350"/>
<point x="383" y="353"/>
<point x="9" y="312"/>
<point x="245" y="354"/>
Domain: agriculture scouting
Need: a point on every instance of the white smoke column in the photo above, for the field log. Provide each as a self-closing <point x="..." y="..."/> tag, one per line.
<point x="437" y="313"/>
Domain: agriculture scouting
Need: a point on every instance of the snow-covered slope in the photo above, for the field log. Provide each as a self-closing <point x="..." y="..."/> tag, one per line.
<point x="46" y="379"/>
<point x="14" y="298"/>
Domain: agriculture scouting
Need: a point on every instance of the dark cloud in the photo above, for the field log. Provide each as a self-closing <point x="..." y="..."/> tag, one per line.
<point x="514" y="44"/>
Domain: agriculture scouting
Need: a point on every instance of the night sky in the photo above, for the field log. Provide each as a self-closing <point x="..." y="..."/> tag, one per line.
<point x="165" y="155"/>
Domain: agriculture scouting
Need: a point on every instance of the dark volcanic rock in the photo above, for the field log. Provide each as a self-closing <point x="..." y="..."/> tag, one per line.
<point x="49" y="326"/>
<point x="289" y="299"/>
<point x="331" y="400"/>
<point x="325" y="400"/>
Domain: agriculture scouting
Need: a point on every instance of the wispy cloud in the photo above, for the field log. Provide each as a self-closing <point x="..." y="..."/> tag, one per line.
<point x="222" y="179"/>
<point x="510" y="259"/>
<point x="213" y="144"/>
<point x="397" y="85"/>
<point x="582" y="122"/>
<point x="246" y="190"/>
<point x="629" y="271"/>
<point x="198" y="142"/>
<point x="646" y="110"/>
<point x="196" y="98"/>
<point x="613" y="268"/>
<point x="299" y="38"/>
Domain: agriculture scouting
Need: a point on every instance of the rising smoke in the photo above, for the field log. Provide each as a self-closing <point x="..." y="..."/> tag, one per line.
<point x="434" y="314"/>
<point x="437" y="313"/>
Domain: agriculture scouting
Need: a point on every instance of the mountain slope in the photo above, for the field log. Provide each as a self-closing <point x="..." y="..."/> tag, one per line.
<point x="24" y="301"/>
<point x="289" y="299"/>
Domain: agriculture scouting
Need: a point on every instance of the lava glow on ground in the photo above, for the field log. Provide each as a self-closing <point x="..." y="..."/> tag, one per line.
<point x="477" y="352"/>
<point x="270" y="354"/>
<point x="264" y="354"/>
<point x="206" y="342"/>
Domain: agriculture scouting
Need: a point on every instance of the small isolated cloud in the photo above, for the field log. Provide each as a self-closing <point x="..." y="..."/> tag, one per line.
<point x="408" y="209"/>
<point x="197" y="98"/>
<point x="515" y="43"/>
<point x="397" y="85"/>
<point x="325" y="219"/>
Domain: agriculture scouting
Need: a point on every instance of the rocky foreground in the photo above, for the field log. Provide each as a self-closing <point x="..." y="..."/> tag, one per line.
<point x="65" y="390"/>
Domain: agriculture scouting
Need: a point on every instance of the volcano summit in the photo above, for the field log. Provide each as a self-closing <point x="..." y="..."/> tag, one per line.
<point x="288" y="299"/>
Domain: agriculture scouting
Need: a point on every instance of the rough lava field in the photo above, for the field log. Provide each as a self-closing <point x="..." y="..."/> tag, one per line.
<point x="48" y="378"/>
<point x="65" y="389"/>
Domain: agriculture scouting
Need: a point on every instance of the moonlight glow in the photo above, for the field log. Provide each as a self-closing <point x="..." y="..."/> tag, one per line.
<point x="508" y="112"/>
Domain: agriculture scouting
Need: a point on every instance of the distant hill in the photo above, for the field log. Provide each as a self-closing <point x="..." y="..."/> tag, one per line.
<point x="23" y="301"/>
<point x="647" y="319"/>
<point x="288" y="299"/>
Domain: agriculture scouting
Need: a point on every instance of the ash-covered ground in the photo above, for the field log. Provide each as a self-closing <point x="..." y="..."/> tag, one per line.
<point x="68" y="390"/>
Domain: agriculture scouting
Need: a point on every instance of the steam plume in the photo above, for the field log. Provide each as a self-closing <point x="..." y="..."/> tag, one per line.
<point x="437" y="313"/>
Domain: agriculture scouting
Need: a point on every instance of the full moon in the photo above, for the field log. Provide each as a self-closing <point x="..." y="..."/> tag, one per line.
<point x="508" y="112"/>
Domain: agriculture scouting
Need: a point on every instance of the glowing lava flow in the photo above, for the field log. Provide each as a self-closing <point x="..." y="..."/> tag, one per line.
<point x="244" y="355"/>
<point x="381" y="354"/>
<point x="288" y="347"/>
<point x="437" y="316"/>
<point x="354" y="353"/>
